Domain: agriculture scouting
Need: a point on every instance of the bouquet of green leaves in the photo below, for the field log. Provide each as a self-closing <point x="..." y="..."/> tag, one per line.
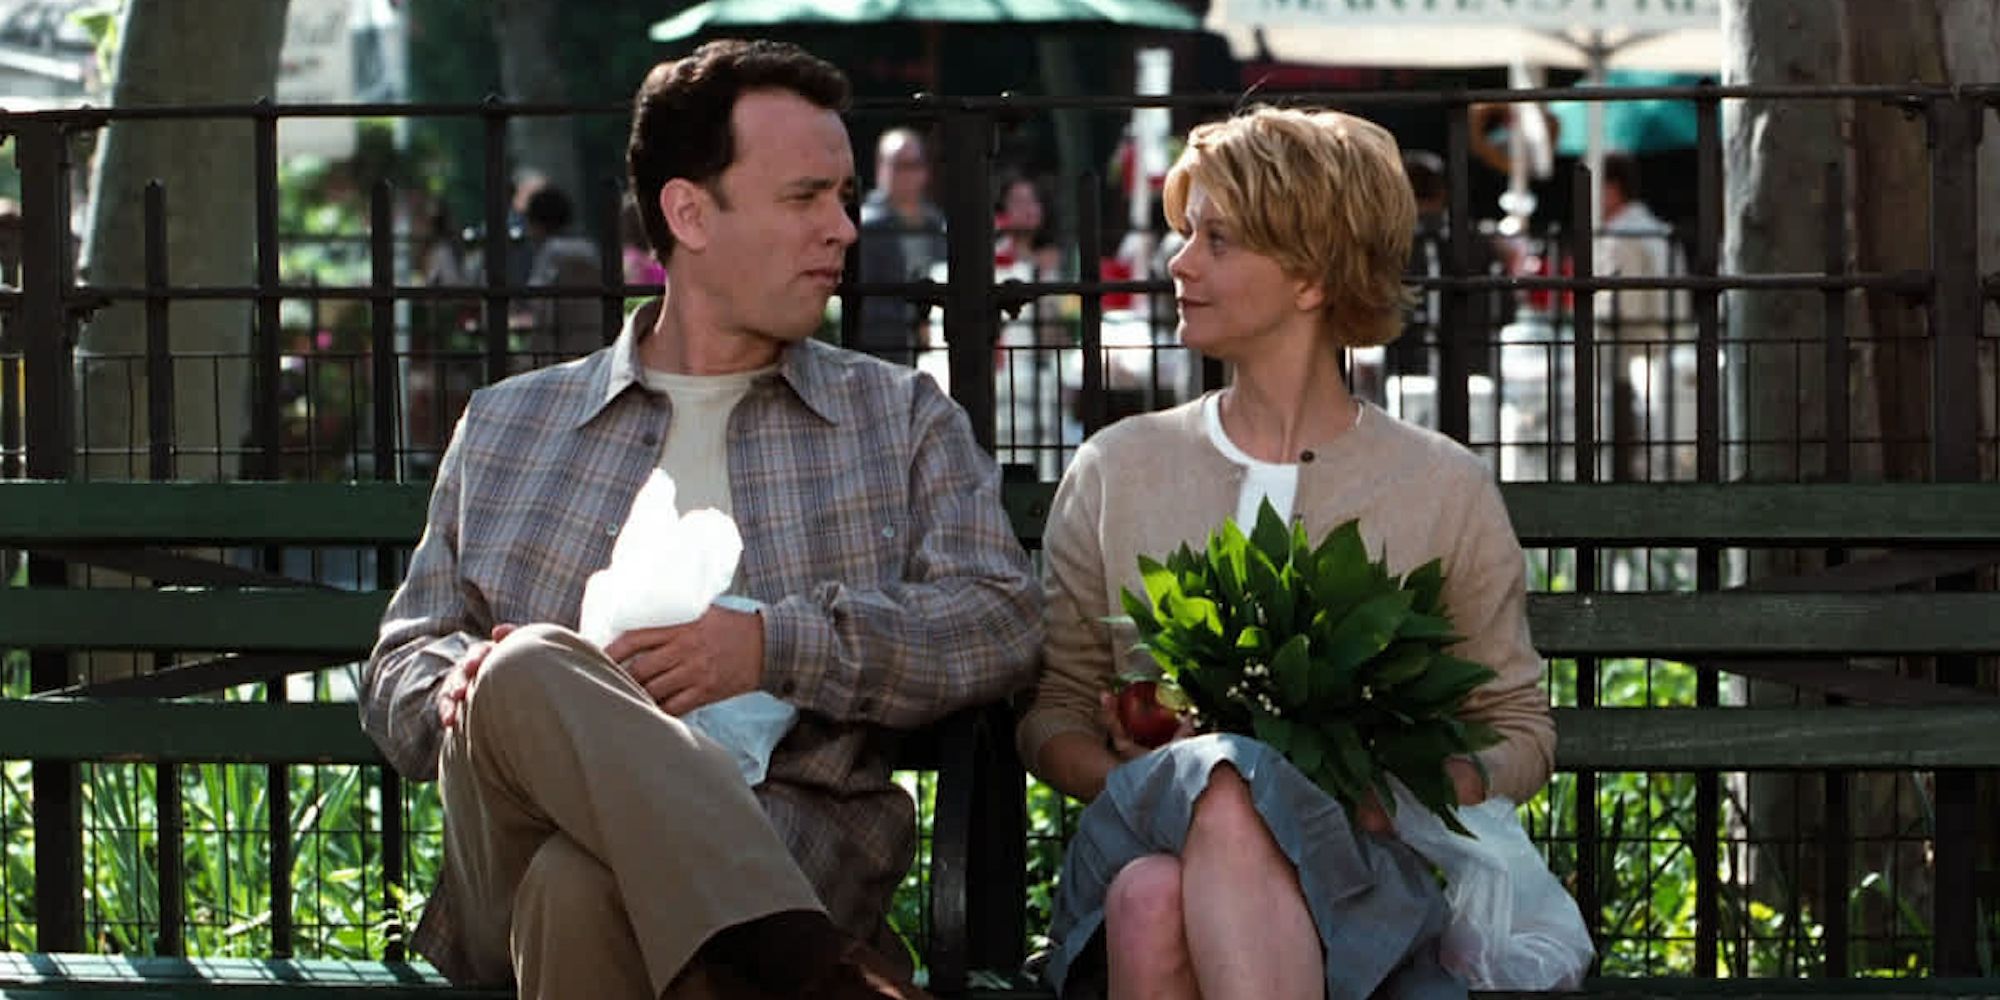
<point x="1317" y="651"/>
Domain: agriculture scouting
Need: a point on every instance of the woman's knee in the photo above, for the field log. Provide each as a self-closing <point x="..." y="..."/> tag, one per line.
<point x="1145" y="893"/>
<point x="1225" y="813"/>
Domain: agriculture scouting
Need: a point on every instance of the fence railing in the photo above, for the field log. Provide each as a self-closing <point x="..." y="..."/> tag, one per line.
<point x="360" y="376"/>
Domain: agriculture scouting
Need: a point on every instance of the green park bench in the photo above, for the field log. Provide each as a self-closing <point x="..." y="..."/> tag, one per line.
<point x="1878" y="603"/>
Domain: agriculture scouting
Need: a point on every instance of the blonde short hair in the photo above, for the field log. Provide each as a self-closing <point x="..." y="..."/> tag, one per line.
<point x="1321" y="192"/>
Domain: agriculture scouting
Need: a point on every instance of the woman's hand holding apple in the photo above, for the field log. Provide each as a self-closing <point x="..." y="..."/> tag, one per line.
<point x="1138" y="721"/>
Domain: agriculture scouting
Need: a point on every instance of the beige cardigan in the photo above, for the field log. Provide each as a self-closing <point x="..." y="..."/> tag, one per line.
<point x="1148" y="483"/>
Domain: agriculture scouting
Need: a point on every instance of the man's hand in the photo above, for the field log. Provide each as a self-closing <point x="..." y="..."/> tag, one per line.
<point x="1465" y="778"/>
<point x="719" y="655"/>
<point x="458" y="683"/>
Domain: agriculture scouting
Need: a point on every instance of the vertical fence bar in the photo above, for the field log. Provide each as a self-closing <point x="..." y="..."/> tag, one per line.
<point x="269" y="421"/>
<point x="41" y="153"/>
<point x="1956" y="309"/>
<point x="498" y="192"/>
<point x="611" y="307"/>
<point x="1708" y="469"/>
<point x="1589" y="842"/>
<point x="1089" y="252"/>
<point x="160" y="466"/>
<point x="1453" y="337"/>
<point x="383" y="400"/>
<point x="972" y="312"/>
<point x="1836" y="822"/>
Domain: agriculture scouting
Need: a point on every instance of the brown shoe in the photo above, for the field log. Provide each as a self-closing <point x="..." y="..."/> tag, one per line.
<point x="862" y="973"/>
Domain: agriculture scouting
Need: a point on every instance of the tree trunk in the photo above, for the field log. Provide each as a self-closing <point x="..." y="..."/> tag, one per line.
<point x="523" y="30"/>
<point x="177" y="52"/>
<point x="1777" y="153"/>
<point x="1890" y="42"/>
<point x="1968" y="28"/>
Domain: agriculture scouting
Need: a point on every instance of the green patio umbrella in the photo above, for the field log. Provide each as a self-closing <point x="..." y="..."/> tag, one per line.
<point x="1641" y="126"/>
<point x="731" y="14"/>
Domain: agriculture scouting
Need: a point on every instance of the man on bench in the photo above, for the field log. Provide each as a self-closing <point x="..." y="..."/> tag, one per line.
<point x="596" y="846"/>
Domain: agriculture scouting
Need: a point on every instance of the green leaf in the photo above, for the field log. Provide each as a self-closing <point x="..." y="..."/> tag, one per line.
<point x="1442" y="686"/>
<point x="1401" y="662"/>
<point x="1428" y="583"/>
<point x="1271" y="536"/>
<point x="1139" y="611"/>
<point x="1368" y="629"/>
<point x="1355" y="761"/>
<point x="1430" y="628"/>
<point x="1255" y="640"/>
<point x="1340" y="575"/>
<point x="1225" y="556"/>
<point x="1416" y="755"/>
<point x="1309" y="749"/>
<point x="1291" y="668"/>
<point x="1270" y="591"/>
<point x="1199" y="615"/>
<point x="1273" y="730"/>
<point x="1160" y="581"/>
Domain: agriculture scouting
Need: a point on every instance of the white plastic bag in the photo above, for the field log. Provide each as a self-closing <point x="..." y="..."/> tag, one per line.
<point x="1513" y="926"/>
<point x="666" y="570"/>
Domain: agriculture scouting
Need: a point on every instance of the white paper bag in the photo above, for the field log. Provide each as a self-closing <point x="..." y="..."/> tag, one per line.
<point x="666" y="570"/>
<point x="1513" y="926"/>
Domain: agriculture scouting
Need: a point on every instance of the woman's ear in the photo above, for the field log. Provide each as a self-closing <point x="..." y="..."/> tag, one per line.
<point x="1308" y="295"/>
<point x="686" y="206"/>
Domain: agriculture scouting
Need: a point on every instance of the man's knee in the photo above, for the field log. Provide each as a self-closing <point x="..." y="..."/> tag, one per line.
<point x="526" y="662"/>
<point x="563" y="882"/>
<point x="1145" y="893"/>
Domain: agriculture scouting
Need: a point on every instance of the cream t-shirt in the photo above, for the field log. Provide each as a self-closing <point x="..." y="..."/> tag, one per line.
<point x="696" y="451"/>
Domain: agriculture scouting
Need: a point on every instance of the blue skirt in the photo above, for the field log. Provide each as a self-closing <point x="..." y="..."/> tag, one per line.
<point x="1374" y="900"/>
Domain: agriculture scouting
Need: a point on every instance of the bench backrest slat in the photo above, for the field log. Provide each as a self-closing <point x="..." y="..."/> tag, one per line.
<point x="1544" y="514"/>
<point x="1602" y="739"/>
<point x="1671" y="625"/>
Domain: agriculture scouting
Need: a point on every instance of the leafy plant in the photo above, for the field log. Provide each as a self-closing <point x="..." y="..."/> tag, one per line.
<point x="1318" y="651"/>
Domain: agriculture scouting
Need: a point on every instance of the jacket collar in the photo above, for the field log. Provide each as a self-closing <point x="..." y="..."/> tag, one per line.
<point x="809" y="368"/>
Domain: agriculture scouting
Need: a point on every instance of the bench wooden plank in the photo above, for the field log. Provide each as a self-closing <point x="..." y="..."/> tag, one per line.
<point x="277" y="620"/>
<point x="70" y="975"/>
<point x="1544" y="514"/>
<point x="1607" y="739"/>
<point x="171" y="975"/>
<point x="1668" y="625"/>
<point x="1741" y="623"/>
<point x="347" y="513"/>
<point x="1668" y="514"/>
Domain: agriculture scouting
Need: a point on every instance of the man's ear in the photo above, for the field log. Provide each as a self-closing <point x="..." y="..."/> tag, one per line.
<point x="686" y="206"/>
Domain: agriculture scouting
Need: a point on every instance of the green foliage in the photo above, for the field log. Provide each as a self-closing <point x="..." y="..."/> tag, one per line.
<point x="1318" y="651"/>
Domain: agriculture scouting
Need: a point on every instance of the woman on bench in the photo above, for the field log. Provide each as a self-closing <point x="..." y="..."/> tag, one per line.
<point x="1211" y="867"/>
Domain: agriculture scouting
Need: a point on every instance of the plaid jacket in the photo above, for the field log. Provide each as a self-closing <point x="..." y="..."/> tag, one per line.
<point x="894" y="588"/>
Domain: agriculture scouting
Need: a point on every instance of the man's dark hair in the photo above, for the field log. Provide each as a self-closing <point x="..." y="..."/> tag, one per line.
<point x="1621" y="169"/>
<point x="1425" y="170"/>
<point x="549" y="209"/>
<point x="680" y="117"/>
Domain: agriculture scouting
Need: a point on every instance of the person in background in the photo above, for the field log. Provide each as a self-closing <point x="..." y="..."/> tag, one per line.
<point x="559" y="328"/>
<point x="1634" y="325"/>
<point x="902" y="236"/>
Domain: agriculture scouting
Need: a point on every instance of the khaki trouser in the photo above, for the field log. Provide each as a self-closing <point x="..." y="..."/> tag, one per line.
<point x="594" y="841"/>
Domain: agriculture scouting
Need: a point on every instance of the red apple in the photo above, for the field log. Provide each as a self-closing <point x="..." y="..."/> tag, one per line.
<point x="1147" y="721"/>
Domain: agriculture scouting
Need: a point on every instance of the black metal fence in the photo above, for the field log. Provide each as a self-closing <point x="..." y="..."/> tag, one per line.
<point x="358" y="375"/>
